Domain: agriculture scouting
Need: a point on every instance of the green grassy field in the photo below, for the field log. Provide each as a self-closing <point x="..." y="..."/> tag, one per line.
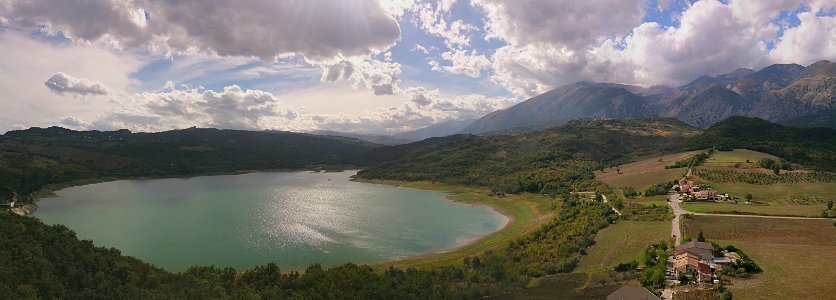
<point x="622" y="242"/>
<point x="644" y="173"/>
<point x="738" y="156"/>
<point x="798" y="257"/>
<point x="527" y="212"/>
<point x="659" y="200"/>
<point x="757" y="209"/>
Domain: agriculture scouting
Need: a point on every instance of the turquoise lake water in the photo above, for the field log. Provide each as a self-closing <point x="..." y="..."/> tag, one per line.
<point x="290" y="218"/>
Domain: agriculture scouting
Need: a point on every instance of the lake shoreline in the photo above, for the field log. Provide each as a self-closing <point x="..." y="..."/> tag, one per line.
<point x="510" y="219"/>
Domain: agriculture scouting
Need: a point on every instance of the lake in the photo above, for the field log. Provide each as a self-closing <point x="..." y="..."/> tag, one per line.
<point x="290" y="218"/>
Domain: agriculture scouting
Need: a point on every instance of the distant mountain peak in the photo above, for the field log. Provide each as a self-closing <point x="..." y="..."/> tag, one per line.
<point x="777" y="93"/>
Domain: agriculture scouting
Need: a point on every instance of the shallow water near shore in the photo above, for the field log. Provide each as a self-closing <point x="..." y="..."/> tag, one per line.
<point x="290" y="218"/>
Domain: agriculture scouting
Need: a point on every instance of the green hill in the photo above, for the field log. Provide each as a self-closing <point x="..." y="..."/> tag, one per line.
<point x="811" y="147"/>
<point x="33" y="158"/>
<point x="556" y="160"/>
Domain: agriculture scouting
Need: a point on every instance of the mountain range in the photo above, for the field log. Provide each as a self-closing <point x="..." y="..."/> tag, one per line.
<point x="783" y="93"/>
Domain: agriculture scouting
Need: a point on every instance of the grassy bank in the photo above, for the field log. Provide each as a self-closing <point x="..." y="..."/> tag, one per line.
<point x="527" y="212"/>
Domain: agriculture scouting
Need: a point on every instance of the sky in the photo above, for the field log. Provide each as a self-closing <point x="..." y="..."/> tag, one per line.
<point x="366" y="66"/>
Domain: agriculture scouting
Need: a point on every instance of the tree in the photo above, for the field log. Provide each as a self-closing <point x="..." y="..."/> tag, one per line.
<point x="683" y="279"/>
<point x="727" y="295"/>
<point x="700" y="237"/>
<point x="830" y="205"/>
<point x="748" y="197"/>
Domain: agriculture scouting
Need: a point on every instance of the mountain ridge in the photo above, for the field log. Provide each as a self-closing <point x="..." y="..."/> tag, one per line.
<point x="783" y="93"/>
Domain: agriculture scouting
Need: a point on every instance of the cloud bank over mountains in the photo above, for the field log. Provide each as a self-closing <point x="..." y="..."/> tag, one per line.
<point x="100" y="64"/>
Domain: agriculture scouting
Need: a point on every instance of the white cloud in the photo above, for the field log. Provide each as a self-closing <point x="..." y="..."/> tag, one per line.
<point x="317" y="29"/>
<point x="381" y="77"/>
<point x="812" y="40"/>
<point x="468" y="64"/>
<point x="456" y="34"/>
<point x="26" y="63"/>
<point x="552" y="43"/>
<point x="65" y="84"/>
<point x="711" y="39"/>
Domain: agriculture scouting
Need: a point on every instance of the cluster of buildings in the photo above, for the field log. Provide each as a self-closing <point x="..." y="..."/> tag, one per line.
<point x="695" y="191"/>
<point x="697" y="261"/>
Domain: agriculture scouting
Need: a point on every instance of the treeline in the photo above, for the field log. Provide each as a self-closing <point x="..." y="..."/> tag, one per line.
<point x="661" y="188"/>
<point x="692" y="161"/>
<point x="717" y="175"/>
<point x="39" y="261"/>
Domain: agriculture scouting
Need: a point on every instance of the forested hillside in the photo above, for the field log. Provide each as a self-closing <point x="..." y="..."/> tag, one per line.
<point x="33" y="158"/>
<point x="561" y="159"/>
<point x="811" y="147"/>
<point x="552" y="161"/>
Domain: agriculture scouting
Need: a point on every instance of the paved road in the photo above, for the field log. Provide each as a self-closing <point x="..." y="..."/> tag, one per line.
<point x="678" y="211"/>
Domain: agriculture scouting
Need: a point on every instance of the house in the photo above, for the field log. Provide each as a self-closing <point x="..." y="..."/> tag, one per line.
<point x="629" y="292"/>
<point x="703" y="250"/>
<point x="684" y="188"/>
<point x="696" y="259"/>
<point x="706" y="195"/>
<point x="687" y="263"/>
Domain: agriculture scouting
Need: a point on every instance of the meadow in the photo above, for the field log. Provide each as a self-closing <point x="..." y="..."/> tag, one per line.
<point x="797" y="256"/>
<point x="741" y="158"/>
<point x="620" y="243"/>
<point x="644" y="173"/>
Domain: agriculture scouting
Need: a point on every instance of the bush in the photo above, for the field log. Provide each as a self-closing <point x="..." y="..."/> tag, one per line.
<point x="630" y="192"/>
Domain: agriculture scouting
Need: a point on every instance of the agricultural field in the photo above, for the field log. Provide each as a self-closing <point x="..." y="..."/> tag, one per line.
<point x="659" y="200"/>
<point x="755" y="208"/>
<point x="798" y="257"/>
<point x="741" y="158"/>
<point x="571" y="286"/>
<point x="793" y="193"/>
<point x="620" y="243"/>
<point x="527" y="212"/>
<point x="644" y="173"/>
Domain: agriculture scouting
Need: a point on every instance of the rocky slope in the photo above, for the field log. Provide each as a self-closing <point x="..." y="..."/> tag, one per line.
<point x="574" y="101"/>
<point x="782" y="93"/>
